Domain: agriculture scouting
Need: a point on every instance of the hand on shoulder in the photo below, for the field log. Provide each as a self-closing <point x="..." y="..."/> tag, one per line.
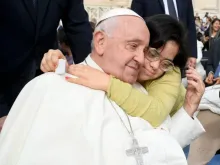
<point x="89" y="77"/>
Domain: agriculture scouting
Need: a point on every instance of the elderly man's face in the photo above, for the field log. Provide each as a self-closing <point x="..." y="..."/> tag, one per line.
<point x="124" y="50"/>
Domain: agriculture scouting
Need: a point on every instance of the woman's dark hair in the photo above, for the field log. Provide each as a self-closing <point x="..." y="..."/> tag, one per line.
<point x="214" y="20"/>
<point x="165" y="28"/>
<point x="199" y="36"/>
<point x="209" y="19"/>
<point x="209" y="31"/>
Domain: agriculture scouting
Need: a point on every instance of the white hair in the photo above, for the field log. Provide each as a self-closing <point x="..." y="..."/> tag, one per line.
<point x="107" y="26"/>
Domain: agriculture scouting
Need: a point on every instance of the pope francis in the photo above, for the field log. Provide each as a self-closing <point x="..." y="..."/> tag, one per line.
<point x="54" y="122"/>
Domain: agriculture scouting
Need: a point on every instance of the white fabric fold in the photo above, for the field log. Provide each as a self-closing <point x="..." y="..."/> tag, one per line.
<point x="211" y="99"/>
<point x="184" y="128"/>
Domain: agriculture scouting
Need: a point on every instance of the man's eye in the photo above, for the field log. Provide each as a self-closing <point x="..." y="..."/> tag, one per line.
<point x="132" y="47"/>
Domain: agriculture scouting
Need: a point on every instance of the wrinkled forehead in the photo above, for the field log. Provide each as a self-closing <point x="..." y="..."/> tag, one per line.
<point x="132" y="28"/>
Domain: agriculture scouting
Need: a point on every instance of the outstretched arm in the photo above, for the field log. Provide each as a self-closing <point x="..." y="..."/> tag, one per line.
<point x="154" y="107"/>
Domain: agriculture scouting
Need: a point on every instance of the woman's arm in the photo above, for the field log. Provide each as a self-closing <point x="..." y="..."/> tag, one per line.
<point x="154" y="107"/>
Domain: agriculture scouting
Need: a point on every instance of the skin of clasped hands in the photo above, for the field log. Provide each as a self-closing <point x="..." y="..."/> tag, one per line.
<point x="210" y="80"/>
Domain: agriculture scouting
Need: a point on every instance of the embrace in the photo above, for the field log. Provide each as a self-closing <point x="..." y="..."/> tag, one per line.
<point x="101" y="115"/>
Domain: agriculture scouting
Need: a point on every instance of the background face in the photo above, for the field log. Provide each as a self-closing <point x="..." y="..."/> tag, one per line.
<point x="216" y="26"/>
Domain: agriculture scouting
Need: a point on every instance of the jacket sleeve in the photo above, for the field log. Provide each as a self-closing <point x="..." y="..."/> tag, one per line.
<point x="78" y="30"/>
<point x="154" y="107"/>
<point x="191" y="27"/>
<point x="138" y="7"/>
<point x="184" y="128"/>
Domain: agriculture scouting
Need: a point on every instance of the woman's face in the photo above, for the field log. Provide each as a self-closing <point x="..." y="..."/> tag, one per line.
<point x="216" y="26"/>
<point x="152" y="70"/>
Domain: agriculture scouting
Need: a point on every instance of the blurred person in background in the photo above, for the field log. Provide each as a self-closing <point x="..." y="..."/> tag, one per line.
<point x="214" y="17"/>
<point x="198" y="24"/>
<point x="211" y="34"/>
<point x="208" y="22"/>
<point x="213" y="66"/>
<point x="204" y="20"/>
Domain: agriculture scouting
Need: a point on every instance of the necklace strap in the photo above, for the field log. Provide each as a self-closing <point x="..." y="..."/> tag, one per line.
<point x="131" y="132"/>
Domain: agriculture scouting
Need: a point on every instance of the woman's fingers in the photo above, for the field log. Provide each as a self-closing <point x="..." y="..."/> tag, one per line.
<point x="78" y="81"/>
<point x="197" y="86"/>
<point x="216" y="79"/>
<point x="194" y="77"/>
<point x="77" y="73"/>
<point x="217" y="82"/>
<point x="77" y="70"/>
<point x="80" y="67"/>
<point x="191" y="71"/>
<point x="195" y="80"/>
<point x="193" y="83"/>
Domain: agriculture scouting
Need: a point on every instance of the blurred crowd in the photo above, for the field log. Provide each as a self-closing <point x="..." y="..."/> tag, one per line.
<point x="207" y="29"/>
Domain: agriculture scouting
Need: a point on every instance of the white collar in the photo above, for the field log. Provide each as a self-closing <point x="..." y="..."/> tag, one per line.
<point x="89" y="61"/>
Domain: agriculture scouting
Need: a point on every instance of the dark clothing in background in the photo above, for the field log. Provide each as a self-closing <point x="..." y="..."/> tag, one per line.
<point x="12" y="84"/>
<point x="213" y="57"/>
<point x="147" y="8"/>
<point x="28" y="31"/>
<point x="210" y="42"/>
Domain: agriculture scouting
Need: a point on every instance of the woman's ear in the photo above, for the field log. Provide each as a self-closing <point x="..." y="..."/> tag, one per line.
<point x="99" y="42"/>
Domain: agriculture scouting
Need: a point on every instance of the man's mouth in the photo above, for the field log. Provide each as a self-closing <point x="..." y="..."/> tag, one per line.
<point x="135" y="67"/>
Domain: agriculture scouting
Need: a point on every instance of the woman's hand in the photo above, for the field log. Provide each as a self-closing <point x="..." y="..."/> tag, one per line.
<point x="210" y="79"/>
<point x="217" y="81"/>
<point x="89" y="77"/>
<point x="195" y="91"/>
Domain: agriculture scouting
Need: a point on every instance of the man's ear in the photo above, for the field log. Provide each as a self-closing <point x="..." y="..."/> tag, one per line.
<point x="99" y="41"/>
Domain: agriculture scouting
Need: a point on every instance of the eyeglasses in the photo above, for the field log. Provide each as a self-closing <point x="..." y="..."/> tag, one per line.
<point x="154" y="55"/>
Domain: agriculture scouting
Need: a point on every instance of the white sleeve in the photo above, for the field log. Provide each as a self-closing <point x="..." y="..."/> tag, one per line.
<point x="184" y="128"/>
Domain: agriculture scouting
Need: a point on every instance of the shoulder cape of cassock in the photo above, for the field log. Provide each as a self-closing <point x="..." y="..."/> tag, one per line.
<point x="59" y="123"/>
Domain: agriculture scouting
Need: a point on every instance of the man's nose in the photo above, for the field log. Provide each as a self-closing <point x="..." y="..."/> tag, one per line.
<point x="139" y="57"/>
<point x="155" y="64"/>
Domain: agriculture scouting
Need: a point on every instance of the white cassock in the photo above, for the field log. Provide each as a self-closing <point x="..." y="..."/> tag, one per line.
<point x="54" y="122"/>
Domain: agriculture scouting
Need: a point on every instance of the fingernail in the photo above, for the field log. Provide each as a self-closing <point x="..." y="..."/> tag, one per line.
<point x="66" y="78"/>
